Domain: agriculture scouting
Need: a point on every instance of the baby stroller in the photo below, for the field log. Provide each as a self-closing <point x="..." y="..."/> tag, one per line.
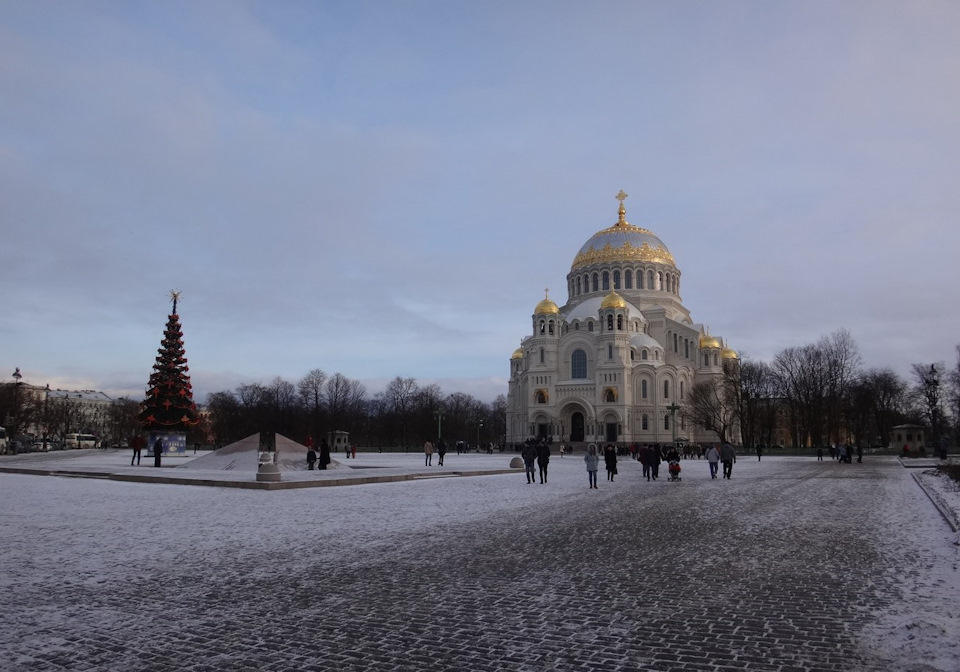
<point x="674" y="469"/>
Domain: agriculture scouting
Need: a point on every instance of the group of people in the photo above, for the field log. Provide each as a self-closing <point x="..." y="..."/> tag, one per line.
<point x="536" y="451"/>
<point x="324" y="454"/>
<point x="428" y="452"/>
<point x="138" y="443"/>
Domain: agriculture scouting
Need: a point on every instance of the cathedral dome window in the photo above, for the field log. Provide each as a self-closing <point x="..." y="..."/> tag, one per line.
<point x="590" y="325"/>
<point x="606" y="281"/>
<point x="644" y="355"/>
<point x="596" y="282"/>
<point x="616" y="279"/>
<point x="628" y="279"/>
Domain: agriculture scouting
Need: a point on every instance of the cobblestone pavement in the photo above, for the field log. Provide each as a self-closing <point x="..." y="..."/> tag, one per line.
<point x="776" y="569"/>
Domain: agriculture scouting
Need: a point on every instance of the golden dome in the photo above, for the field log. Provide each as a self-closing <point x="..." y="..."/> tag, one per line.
<point x="517" y="354"/>
<point x="622" y="242"/>
<point x="729" y="353"/>
<point x="708" y="341"/>
<point x="613" y="300"/>
<point x="546" y="306"/>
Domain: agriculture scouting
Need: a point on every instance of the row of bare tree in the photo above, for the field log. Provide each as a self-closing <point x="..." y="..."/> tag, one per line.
<point x="404" y="414"/>
<point x="820" y="395"/>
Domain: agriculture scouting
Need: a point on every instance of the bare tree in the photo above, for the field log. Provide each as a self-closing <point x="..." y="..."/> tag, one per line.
<point x="709" y="405"/>
<point x="930" y="393"/>
<point x="310" y="388"/>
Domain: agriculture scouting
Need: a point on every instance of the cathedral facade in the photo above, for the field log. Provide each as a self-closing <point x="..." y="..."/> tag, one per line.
<point x="615" y="363"/>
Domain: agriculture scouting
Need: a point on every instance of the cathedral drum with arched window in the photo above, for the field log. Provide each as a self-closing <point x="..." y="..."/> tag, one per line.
<point x="617" y="360"/>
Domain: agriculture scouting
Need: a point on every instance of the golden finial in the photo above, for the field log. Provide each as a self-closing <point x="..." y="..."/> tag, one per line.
<point x="175" y="295"/>
<point x="621" y="196"/>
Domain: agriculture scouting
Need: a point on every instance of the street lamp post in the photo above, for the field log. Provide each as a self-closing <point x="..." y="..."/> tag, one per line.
<point x="439" y="416"/>
<point x="673" y="408"/>
<point x="479" y="427"/>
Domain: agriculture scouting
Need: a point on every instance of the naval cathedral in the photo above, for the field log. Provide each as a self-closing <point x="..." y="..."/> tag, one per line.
<point x="615" y="363"/>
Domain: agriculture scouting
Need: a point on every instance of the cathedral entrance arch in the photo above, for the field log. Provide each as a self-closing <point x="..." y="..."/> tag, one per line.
<point x="576" y="427"/>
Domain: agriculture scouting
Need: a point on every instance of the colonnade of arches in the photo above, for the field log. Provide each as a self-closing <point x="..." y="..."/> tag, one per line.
<point x="656" y="278"/>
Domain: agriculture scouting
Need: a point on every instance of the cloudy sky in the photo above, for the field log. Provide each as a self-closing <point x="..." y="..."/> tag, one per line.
<point x="385" y="188"/>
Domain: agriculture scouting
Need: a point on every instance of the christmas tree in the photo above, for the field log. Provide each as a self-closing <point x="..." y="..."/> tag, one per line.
<point x="169" y="404"/>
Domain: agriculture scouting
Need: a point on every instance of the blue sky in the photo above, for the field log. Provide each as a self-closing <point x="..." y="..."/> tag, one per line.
<point x="385" y="188"/>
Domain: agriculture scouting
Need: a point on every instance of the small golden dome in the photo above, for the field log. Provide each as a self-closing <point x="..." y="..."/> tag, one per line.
<point x="729" y="353"/>
<point x="546" y="306"/>
<point x="708" y="341"/>
<point x="517" y="354"/>
<point x="613" y="300"/>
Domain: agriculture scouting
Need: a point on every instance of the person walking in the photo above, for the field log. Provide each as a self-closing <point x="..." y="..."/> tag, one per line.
<point x="654" y="459"/>
<point x="324" y="454"/>
<point x="610" y="460"/>
<point x="728" y="456"/>
<point x="859" y="452"/>
<point x="759" y="451"/>
<point x="644" y="460"/>
<point x="529" y="455"/>
<point x="157" y="451"/>
<point x="713" y="459"/>
<point x="311" y="458"/>
<point x="593" y="461"/>
<point x="543" y="460"/>
<point x="819" y="453"/>
<point x="428" y="453"/>
<point x="441" y="451"/>
<point x="138" y="443"/>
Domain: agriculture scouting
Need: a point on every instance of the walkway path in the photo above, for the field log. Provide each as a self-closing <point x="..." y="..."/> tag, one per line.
<point x="783" y="568"/>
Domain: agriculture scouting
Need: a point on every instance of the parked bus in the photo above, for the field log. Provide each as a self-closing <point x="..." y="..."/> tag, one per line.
<point x="79" y="441"/>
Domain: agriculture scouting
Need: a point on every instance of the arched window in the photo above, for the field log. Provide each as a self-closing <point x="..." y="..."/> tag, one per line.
<point x="676" y="341"/>
<point x="633" y="354"/>
<point x="596" y="281"/>
<point x="550" y="328"/>
<point x="578" y="286"/>
<point x="619" y="322"/>
<point x="628" y="279"/>
<point x="541" y="397"/>
<point x="686" y="348"/>
<point x="590" y="325"/>
<point x="643" y="355"/>
<point x="616" y="279"/>
<point x="541" y="355"/>
<point x="660" y="280"/>
<point x="576" y="326"/>
<point x="650" y="280"/>
<point x="645" y="422"/>
<point x="643" y="389"/>
<point x="666" y="422"/>
<point x="578" y="364"/>
<point x="706" y="359"/>
<point x="606" y="280"/>
<point x="681" y="390"/>
<point x="609" y="351"/>
<point x="542" y="326"/>
<point x="609" y="322"/>
<point x="610" y="397"/>
<point x="666" y="389"/>
<point x="716" y="362"/>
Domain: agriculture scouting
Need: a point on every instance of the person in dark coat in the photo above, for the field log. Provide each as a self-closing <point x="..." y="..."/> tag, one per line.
<point x="610" y="460"/>
<point x="138" y="443"/>
<point x="543" y="460"/>
<point x="157" y="451"/>
<point x="728" y="456"/>
<point x="441" y="451"/>
<point x="653" y="462"/>
<point x="311" y="458"/>
<point x="324" y="454"/>
<point x="529" y="455"/>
